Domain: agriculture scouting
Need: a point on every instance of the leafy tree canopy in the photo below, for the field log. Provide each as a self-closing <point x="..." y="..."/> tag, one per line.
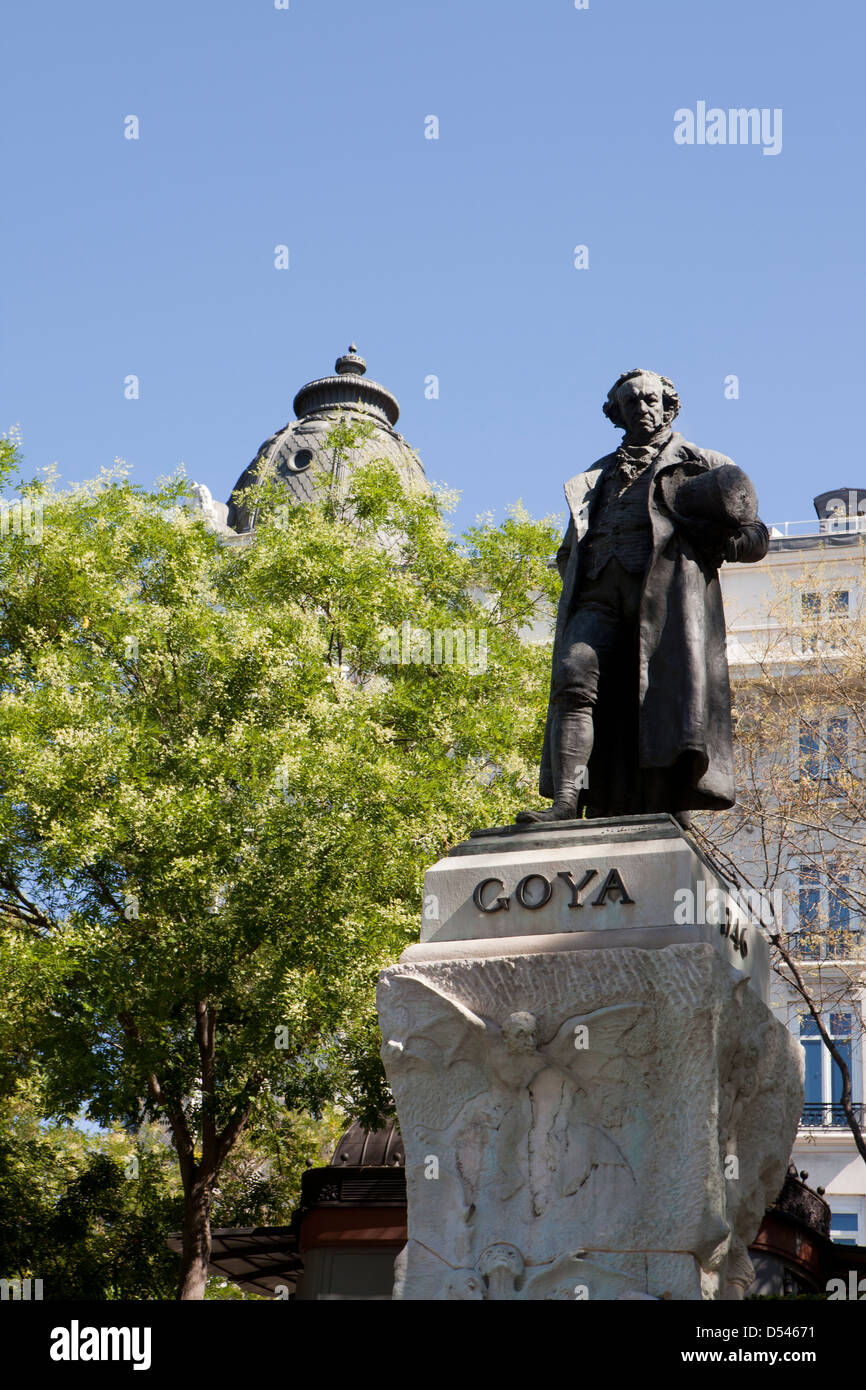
<point x="226" y="767"/>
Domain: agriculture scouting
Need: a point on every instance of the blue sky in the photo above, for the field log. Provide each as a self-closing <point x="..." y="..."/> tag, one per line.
<point x="452" y="257"/>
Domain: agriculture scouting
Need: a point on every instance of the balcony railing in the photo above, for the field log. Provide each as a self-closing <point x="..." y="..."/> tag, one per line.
<point x="829" y="1115"/>
<point x="827" y="526"/>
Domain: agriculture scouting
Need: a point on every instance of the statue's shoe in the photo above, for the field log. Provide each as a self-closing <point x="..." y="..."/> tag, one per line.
<point x="560" y="810"/>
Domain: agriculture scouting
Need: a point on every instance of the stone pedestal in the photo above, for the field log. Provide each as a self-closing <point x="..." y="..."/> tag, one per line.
<point x="595" y="1099"/>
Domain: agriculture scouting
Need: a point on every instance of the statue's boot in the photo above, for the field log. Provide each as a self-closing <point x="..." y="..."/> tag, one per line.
<point x="571" y="755"/>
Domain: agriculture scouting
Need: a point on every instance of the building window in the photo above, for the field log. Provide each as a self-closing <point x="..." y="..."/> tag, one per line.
<point x="837" y="751"/>
<point x="807" y="943"/>
<point x="823" y="1076"/>
<point x="828" y="927"/>
<point x="810" y="615"/>
<point x="845" y="1227"/>
<point x="810" y="748"/>
<point x="816" y="607"/>
<point x="837" y="603"/>
<point x="842" y="938"/>
<point x="824" y="750"/>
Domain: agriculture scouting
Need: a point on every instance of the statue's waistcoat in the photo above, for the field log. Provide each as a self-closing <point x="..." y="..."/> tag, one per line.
<point x="620" y="525"/>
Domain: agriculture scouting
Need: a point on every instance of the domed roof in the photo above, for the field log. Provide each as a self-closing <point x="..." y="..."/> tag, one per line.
<point x="348" y="388"/>
<point x="297" y="452"/>
<point x="363" y="1148"/>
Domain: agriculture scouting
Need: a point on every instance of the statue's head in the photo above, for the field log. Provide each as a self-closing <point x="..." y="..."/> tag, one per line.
<point x="641" y="403"/>
<point x="518" y="1032"/>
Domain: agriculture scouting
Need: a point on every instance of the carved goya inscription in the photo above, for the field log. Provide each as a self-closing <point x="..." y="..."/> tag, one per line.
<point x="535" y="891"/>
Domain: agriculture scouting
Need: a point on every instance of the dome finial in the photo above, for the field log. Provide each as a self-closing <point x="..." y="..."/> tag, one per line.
<point x="350" y="362"/>
<point x="349" y="388"/>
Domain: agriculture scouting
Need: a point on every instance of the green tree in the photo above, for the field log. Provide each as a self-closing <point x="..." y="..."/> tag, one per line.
<point x="220" y="789"/>
<point x="85" y="1213"/>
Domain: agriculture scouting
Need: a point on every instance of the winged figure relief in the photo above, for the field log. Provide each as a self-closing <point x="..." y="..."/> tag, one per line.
<point x="524" y="1116"/>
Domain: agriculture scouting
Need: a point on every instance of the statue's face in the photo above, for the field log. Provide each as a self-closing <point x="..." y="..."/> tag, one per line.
<point x="641" y="403"/>
<point x="519" y="1032"/>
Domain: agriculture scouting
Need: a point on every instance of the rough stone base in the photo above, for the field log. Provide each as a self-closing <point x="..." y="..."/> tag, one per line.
<point x="601" y="1124"/>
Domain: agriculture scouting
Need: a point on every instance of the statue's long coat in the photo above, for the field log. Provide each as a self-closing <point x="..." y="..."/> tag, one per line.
<point x="663" y="720"/>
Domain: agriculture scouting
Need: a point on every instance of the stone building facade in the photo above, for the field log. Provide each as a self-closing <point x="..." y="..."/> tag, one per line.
<point x="813" y="575"/>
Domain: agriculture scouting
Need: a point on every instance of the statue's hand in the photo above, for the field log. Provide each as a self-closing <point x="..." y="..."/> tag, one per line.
<point x="708" y="537"/>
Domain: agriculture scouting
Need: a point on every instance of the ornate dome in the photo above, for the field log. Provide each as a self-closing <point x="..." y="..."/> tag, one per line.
<point x="379" y="1148"/>
<point x="298" y="452"/>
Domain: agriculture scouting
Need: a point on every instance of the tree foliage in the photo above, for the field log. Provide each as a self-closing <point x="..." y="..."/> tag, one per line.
<point x="219" y="792"/>
<point x="85" y="1213"/>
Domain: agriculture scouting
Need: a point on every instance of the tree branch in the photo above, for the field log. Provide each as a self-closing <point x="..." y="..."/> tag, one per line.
<point x="845" y="1098"/>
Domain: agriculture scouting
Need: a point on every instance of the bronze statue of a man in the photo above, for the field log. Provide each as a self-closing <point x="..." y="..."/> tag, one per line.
<point x="639" y="717"/>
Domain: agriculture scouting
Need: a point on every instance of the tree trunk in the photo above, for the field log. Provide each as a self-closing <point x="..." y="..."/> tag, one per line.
<point x="196" y="1240"/>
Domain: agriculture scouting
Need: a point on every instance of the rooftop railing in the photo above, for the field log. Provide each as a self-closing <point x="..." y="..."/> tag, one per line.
<point x="832" y="526"/>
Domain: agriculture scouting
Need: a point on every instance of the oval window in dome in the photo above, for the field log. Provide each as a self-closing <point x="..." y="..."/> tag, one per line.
<point x="301" y="460"/>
